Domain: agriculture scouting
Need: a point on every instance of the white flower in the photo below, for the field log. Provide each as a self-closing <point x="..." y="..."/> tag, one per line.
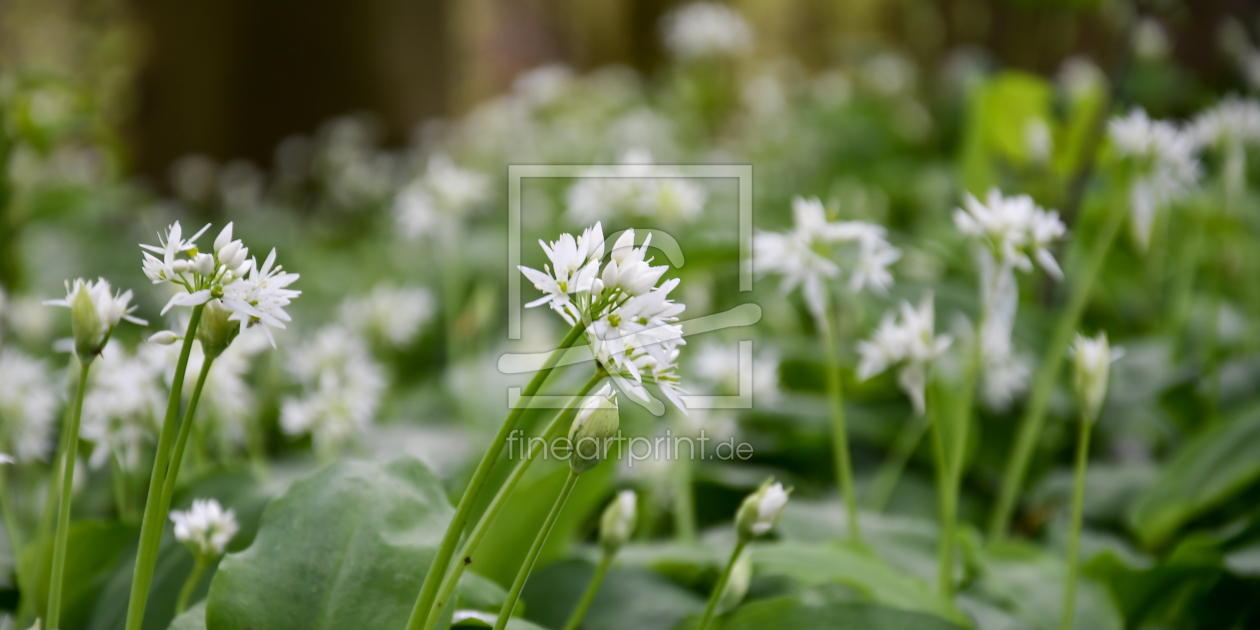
<point x="706" y="29"/>
<point x="635" y="188"/>
<point x="342" y="389"/>
<point x="392" y="313"/>
<point x="206" y="529"/>
<point x="444" y="193"/>
<point x="573" y="269"/>
<point x="719" y="365"/>
<point x="95" y="319"/>
<point x="1012" y="228"/>
<point x="803" y="255"/>
<point x="617" y="522"/>
<point x="1038" y="141"/>
<point x="760" y="511"/>
<point x="908" y="339"/>
<point x="261" y="295"/>
<point x="121" y="407"/>
<point x="5" y="458"/>
<point x="28" y="406"/>
<point x="1166" y="167"/>
<point x="1232" y="120"/>
<point x="1092" y="358"/>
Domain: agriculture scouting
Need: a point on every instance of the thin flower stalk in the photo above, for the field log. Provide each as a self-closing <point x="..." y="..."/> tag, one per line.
<point x="1078" y="509"/>
<point x="168" y="486"/>
<point x="61" y="540"/>
<point x="487" y="519"/>
<point x="190" y="585"/>
<point x="616" y="525"/>
<point x="889" y="472"/>
<point x="684" y="499"/>
<point x="839" y="430"/>
<point x="757" y="515"/>
<point x="945" y="503"/>
<point x="432" y="580"/>
<point x="588" y="596"/>
<point x="532" y="556"/>
<point x="1033" y="420"/>
<point x="715" y="596"/>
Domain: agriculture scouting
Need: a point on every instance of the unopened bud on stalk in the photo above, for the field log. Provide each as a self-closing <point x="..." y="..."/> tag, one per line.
<point x="85" y="320"/>
<point x="1092" y="365"/>
<point x="617" y="524"/>
<point x="94" y="312"/>
<point x="164" y="338"/>
<point x="597" y="421"/>
<point x="203" y="264"/>
<point x="761" y="510"/>
<point x="216" y="331"/>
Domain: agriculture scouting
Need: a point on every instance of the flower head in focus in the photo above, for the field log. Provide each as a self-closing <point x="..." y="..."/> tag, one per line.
<point x="206" y="528"/>
<point x="94" y="312"/>
<point x="907" y="338"/>
<point x="703" y="30"/>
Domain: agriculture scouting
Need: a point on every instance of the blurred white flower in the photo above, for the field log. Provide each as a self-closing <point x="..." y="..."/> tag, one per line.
<point x="1079" y="77"/>
<point x="1232" y="120"/>
<point x="635" y="188"/>
<point x="1038" y="141"/>
<point x="1092" y="358"/>
<point x="719" y="365"/>
<point x="889" y="74"/>
<point x="1012" y="228"/>
<point x="28" y="406"/>
<point x="1150" y="40"/>
<point x="760" y="511"/>
<point x="121" y="407"/>
<point x="394" y="314"/>
<point x="907" y="338"/>
<point x="341" y="389"/>
<point x="705" y="29"/>
<point x="1165" y="163"/>
<point x="206" y="528"/>
<point x="430" y="204"/>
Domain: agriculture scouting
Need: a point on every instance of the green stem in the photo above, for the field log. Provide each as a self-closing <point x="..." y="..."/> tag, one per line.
<point x="190" y="585"/>
<point x="890" y="471"/>
<point x="839" y="432"/>
<point x="119" y="483"/>
<point x="153" y="523"/>
<point x="487" y="519"/>
<point x="945" y="548"/>
<point x="720" y="587"/>
<point x="534" y="550"/>
<point x="1074" y="539"/>
<point x="10" y="519"/>
<point x="168" y="486"/>
<point x="584" y="604"/>
<point x="1048" y="373"/>
<point x="684" y="499"/>
<point x="432" y="579"/>
<point x="53" y="617"/>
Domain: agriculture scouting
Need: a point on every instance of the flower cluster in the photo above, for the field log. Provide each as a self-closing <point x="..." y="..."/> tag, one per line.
<point x="705" y="30"/>
<point x="1165" y="163"/>
<point x="635" y="188"/>
<point x="908" y="339"/>
<point x="392" y="314"/>
<point x="445" y="192"/>
<point x="630" y="320"/>
<point x="94" y="312"/>
<point x="803" y="256"/>
<point x="121" y="408"/>
<point x="1232" y="120"/>
<point x="28" y="406"/>
<point x="342" y="389"/>
<point x="251" y="293"/>
<point x="206" y="528"/>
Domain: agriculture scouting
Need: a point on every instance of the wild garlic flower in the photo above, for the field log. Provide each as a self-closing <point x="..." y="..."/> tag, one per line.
<point x="5" y="458"/>
<point x="1164" y="162"/>
<point x="616" y="524"/>
<point x="636" y="189"/>
<point x="28" y="406"/>
<point x="1091" y="359"/>
<point x="760" y="510"/>
<point x="597" y="421"/>
<point x="121" y="408"/>
<point x="444" y="193"/>
<point x="719" y="365"/>
<point x="341" y="385"/>
<point x="907" y="339"/>
<point x="1232" y="120"/>
<point x="1012" y="228"/>
<point x="706" y="30"/>
<point x="206" y="528"/>
<point x="94" y="312"/>
<point x="630" y="320"/>
<point x="390" y="313"/>
<point x="804" y="256"/>
<point x="254" y="295"/>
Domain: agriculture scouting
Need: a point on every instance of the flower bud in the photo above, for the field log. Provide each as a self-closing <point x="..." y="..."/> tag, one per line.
<point x="596" y="422"/>
<point x="737" y="585"/>
<point x="164" y="338"/>
<point x="1092" y="364"/>
<point x="203" y="264"/>
<point x="228" y="252"/>
<point x="216" y="331"/>
<point x="761" y="510"/>
<point x="85" y="320"/>
<point x="224" y="237"/>
<point x="617" y="523"/>
<point x="179" y="266"/>
<point x="624" y="244"/>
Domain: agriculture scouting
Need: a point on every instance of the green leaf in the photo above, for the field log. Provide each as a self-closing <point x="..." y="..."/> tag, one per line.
<point x="344" y="548"/>
<point x="628" y="599"/>
<point x="1028" y="582"/>
<point x="193" y="619"/>
<point x="996" y="125"/>
<point x="803" y="612"/>
<point x="1214" y="467"/>
<point x="93" y="549"/>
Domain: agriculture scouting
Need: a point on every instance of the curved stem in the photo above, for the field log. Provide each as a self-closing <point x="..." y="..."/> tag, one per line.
<point x="684" y="499"/>
<point x="890" y="472"/>
<point x="190" y="585"/>
<point x="720" y="587"/>
<point x="1074" y="539"/>
<point x="53" y="618"/>
<point x="185" y="429"/>
<point x="1048" y="373"/>
<point x="432" y="579"/>
<point x="479" y="531"/>
<point x="154" y="520"/>
<point x="839" y="432"/>
<point x="526" y="567"/>
<point x="584" y="604"/>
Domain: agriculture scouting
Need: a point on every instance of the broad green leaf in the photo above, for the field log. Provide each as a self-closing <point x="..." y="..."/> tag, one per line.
<point x="1028" y="582"/>
<point x="344" y="548"/>
<point x="1158" y="592"/>
<point x="998" y="114"/>
<point x="93" y="549"/>
<point x="805" y="612"/>
<point x="628" y="599"/>
<point x="192" y="619"/>
<point x="1214" y="467"/>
